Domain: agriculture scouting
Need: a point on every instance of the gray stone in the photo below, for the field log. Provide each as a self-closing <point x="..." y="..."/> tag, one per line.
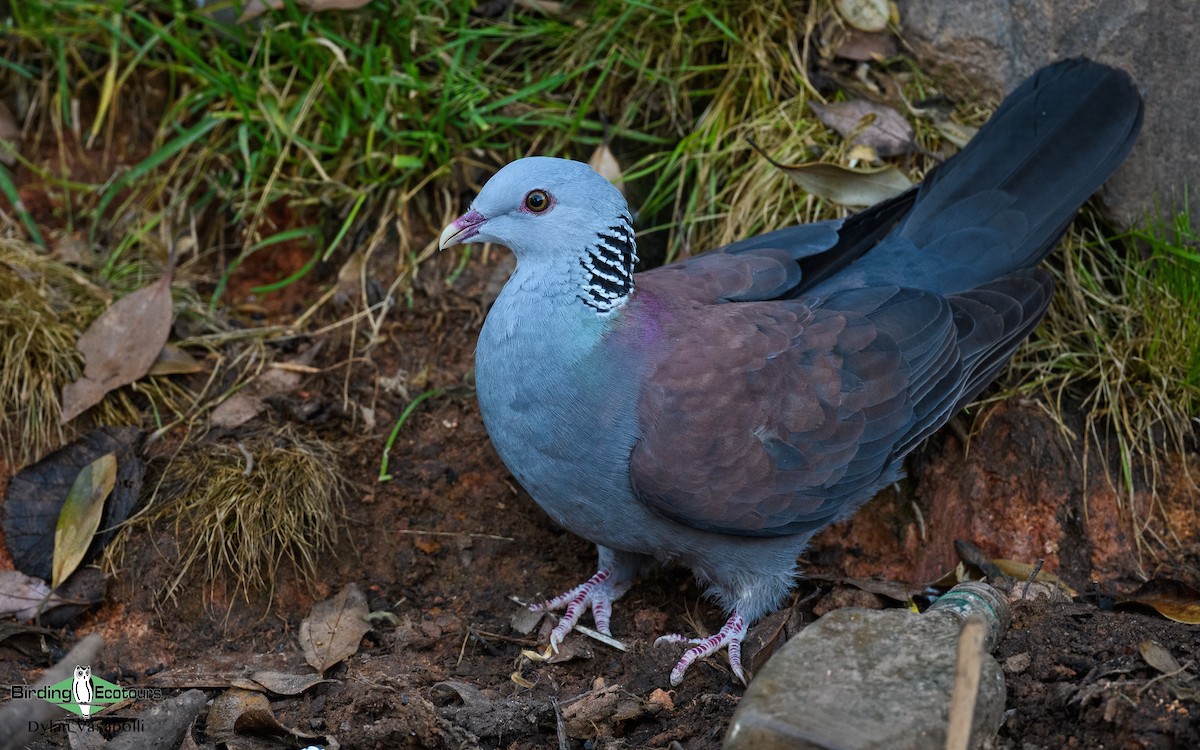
<point x="994" y="44"/>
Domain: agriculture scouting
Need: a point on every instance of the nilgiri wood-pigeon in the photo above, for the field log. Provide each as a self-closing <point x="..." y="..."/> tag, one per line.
<point x="720" y="410"/>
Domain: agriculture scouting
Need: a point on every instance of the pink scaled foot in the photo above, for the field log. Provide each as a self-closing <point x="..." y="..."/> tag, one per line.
<point x="598" y="593"/>
<point x="730" y="635"/>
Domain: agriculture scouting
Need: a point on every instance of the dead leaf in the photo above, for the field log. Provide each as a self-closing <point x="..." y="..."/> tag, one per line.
<point x="606" y="165"/>
<point x="849" y="187"/>
<point x="172" y="360"/>
<point x="279" y="683"/>
<point x="246" y="404"/>
<point x="865" y="15"/>
<point x="10" y="134"/>
<point x="24" y="597"/>
<point x="1158" y="657"/>
<point x="1174" y="600"/>
<point x="599" y="711"/>
<point x="80" y="515"/>
<point x="334" y="628"/>
<point x="229" y="706"/>
<point x="867" y="46"/>
<point x="524" y="620"/>
<point x="867" y="123"/>
<point x="662" y="698"/>
<point x="1022" y="571"/>
<point x="120" y="346"/>
<point x="34" y="500"/>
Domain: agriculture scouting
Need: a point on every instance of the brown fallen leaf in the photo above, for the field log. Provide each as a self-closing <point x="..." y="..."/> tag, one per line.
<point x="597" y="713"/>
<point x="172" y="360"/>
<point x="1158" y="657"/>
<point x="334" y="628"/>
<point x="279" y="683"/>
<point x="870" y="124"/>
<point x="1023" y="570"/>
<point x="606" y="165"/>
<point x="23" y="597"/>
<point x="80" y="515"/>
<point x="866" y="46"/>
<point x="121" y="345"/>
<point x="246" y="404"/>
<point x="849" y="187"/>
<point x="1174" y="600"/>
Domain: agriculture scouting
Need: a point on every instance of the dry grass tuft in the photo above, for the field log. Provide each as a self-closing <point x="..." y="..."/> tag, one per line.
<point x="241" y="509"/>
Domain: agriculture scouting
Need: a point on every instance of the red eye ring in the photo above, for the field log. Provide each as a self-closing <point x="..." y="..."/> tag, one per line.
<point x="537" y="201"/>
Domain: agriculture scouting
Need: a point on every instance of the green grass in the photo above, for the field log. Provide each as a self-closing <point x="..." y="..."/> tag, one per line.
<point x="1121" y="345"/>
<point x="331" y="124"/>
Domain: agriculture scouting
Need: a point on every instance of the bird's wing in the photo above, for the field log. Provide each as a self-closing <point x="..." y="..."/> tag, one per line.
<point x="781" y="264"/>
<point x="772" y="418"/>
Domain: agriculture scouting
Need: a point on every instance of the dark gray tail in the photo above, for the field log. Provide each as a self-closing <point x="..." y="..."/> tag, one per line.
<point x="1002" y="203"/>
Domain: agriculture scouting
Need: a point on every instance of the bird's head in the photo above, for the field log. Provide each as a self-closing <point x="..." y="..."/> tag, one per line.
<point x="556" y="213"/>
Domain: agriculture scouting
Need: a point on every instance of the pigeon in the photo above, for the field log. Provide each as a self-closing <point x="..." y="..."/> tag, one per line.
<point x="718" y="411"/>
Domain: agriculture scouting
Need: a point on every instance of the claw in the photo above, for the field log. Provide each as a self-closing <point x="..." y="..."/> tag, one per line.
<point x="730" y="636"/>
<point x="597" y="593"/>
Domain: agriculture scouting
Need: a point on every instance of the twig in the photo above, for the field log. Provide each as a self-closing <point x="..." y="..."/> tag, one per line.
<point x="1037" y="568"/>
<point x="560" y="725"/>
<point x="968" y="666"/>
<point x="608" y="640"/>
<point x="469" y="535"/>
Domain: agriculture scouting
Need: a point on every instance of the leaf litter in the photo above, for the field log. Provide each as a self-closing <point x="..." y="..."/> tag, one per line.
<point x="79" y="518"/>
<point x="121" y="345"/>
<point x="867" y="123"/>
<point x="333" y="630"/>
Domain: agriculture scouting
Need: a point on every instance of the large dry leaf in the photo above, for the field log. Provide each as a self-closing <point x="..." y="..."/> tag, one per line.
<point x="172" y="360"/>
<point x="34" y="500"/>
<point x="79" y="518"/>
<point x="1023" y="570"/>
<point x="24" y="597"/>
<point x="120" y="346"/>
<point x="865" y="46"/>
<point x="1158" y="657"/>
<point x="866" y="123"/>
<point x="279" y="683"/>
<point x="1174" y="600"/>
<point x="604" y="161"/>
<point x="332" y="631"/>
<point x="849" y="187"/>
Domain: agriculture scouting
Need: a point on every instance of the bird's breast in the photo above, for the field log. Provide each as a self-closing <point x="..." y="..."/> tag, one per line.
<point x="559" y="403"/>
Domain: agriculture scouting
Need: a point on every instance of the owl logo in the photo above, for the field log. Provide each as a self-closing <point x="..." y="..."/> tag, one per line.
<point x="82" y="689"/>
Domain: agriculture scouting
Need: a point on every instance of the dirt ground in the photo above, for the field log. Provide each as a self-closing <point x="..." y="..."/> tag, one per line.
<point x="449" y="544"/>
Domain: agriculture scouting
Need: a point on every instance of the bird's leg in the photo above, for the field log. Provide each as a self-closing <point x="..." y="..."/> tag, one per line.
<point x="730" y="636"/>
<point x="611" y="581"/>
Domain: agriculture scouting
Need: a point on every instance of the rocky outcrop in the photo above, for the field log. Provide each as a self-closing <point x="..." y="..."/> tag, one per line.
<point x="995" y="44"/>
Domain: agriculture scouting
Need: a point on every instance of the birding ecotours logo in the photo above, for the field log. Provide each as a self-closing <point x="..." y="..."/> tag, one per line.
<point x="81" y="693"/>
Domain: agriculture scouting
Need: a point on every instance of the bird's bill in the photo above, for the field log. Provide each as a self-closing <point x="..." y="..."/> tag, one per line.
<point x="461" y="230"/>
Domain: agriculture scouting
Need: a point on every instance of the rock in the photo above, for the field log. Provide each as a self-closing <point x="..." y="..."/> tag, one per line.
<point x="992" y="46"/>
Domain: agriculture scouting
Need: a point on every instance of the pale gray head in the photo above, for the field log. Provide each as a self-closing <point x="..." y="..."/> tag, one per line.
<point x="548" y="210"/>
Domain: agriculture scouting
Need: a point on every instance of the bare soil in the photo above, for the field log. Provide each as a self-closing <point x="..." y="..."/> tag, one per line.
<point x="451" y="540"/>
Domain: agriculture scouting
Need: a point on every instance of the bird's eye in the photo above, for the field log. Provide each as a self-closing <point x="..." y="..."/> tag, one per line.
<point x="537" y="201"/>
